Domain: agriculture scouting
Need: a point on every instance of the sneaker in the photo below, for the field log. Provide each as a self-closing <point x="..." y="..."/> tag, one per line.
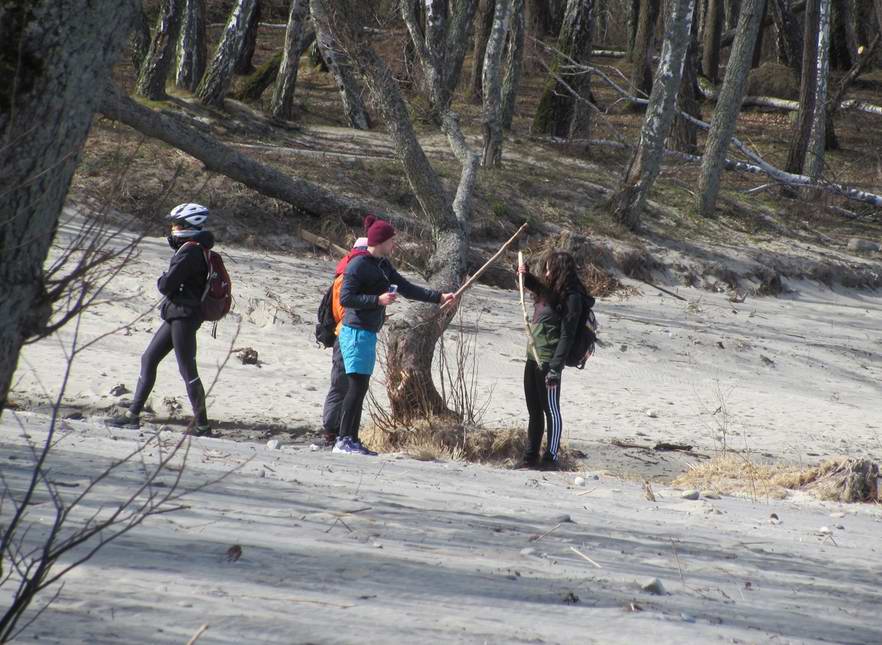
<point x="549" y="463"/>
<point x="343" y="446"/>
<point x="527" y="463"/>
<point x="200" y="431"/>
<point x="124" y="420"/>
<point x="360" y="448"/>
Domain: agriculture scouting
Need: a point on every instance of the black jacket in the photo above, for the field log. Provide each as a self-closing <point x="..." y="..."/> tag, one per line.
<point x="555" y="326"/>
<point x="184" y="282"/>
<point x="368" y="277"/>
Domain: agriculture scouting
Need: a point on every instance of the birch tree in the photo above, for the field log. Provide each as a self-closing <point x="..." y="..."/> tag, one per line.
<point x="804" y="155"/>
<point x="728" y="105"/>
<point x="514" y="62"/>
<point x="192" y="46"/>
<point x="645" y="164"/>
<point x="282" y="104"/>
<point x="492" y="86"/>
<point x="340" y="66"/>
<point x="217" y="79"/>
<point x="155" y="68"/>
<point x="563" y="110"/>
<point x="644" y="47"/>
<point x="483" y="26"/>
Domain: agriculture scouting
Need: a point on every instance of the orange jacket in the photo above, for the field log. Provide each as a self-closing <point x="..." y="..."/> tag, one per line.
<point x="336" y="308"/>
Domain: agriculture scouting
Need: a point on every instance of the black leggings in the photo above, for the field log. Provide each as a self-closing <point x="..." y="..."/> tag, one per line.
<point x="543" y="404"/>
<point x="353" y="403"/>
<point x="180" y="335"/>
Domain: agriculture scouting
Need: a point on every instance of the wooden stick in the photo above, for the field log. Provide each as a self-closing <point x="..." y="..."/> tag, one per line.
<point x="477" y="274"/>
<point x="524" y="309"/>
<point x="197" y="634"/>
<point x="582" y="555"/>
<point x="548" y="532"/>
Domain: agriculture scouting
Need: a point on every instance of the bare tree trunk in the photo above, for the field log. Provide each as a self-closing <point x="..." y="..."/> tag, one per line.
<point x="685" y="132"/>
<point x="629" y="201"/>
<point x="733" y="9"/>
<point x="713" y="27"/>
<point x="461" y="19"/>
<point x="155" y="68"/>
<point x="340" y="67"/>
<point x="192" y="46"/>
<point x="282" y="104"/>
<point x="814" y="162"/>
<point x="799" y="145"/>
<point x="757" y="57"/>
<point x="483" y="25"/>
<point x="492" y="85"/>
<point x="633" y="22"/>
<point x="514" y="63"/>
<point x="562" y="111"/>
<point x="600" y="20"/>
<point x="217" y="79"/>
<point x="789" y="38"/>
<point x="139" y="38"/>
<point x="60" y="51"/>
<point x="644" y="47"/>
<point x="244" y="66"/>
<point x="844" y="44"/>
<point x="728" y="105"/>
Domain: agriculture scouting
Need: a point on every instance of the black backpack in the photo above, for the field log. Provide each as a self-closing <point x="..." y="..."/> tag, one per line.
<point x="326" y="326"/>
<point x="586" y="338"/>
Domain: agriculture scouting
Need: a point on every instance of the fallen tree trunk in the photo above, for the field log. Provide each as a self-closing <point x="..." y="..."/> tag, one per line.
<point x="173" y="129"/>
<point x="711" y="93"/>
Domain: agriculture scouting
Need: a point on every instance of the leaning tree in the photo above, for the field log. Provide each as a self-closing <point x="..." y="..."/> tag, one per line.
<point x="411" y="340"/>
<point x="53" y="56"/>
<point x="155" y="67"/>
<point x="219" y="76"/>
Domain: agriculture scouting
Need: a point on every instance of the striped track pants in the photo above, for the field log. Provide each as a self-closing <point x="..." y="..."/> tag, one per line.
<point x="543" y="404"/>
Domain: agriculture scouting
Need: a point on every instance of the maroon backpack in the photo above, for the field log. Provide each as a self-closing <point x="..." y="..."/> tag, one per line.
<point x="217" y="299"/>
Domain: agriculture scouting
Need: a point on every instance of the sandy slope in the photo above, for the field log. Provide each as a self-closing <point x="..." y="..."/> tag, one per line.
<point x="795" y="378"/>
<point x="445" y="552"/>
<point x="435" y="551"/>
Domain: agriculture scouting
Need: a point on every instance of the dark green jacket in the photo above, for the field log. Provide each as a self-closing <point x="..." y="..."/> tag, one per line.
<point x="554" y="327"/>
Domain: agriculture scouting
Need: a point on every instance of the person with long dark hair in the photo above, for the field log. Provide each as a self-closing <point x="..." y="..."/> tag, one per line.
<point x="560" y="300"/>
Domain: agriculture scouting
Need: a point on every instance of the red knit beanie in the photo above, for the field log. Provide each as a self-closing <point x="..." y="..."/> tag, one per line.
<point x="377" y="230"/>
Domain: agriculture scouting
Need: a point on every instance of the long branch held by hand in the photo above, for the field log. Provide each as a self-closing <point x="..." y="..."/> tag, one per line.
<point x="477" y="274"/>
<point x="524" y="309"/>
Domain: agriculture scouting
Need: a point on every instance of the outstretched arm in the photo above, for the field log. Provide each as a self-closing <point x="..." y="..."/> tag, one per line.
<point x="412" y="291"/>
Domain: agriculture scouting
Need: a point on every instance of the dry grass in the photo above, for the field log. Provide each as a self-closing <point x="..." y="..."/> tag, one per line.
<point x="841" y="479"/>
<point x="442" y="440"/>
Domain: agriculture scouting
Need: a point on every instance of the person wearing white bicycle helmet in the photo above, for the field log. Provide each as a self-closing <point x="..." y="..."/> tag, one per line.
<point x="182" y="286"/>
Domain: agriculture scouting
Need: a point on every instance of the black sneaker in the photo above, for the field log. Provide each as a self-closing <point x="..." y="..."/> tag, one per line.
<point x="549" y="463"/>
<point x="200" y="431"/>
<point x="527" y="463"/>
<point x="125" y="420"/>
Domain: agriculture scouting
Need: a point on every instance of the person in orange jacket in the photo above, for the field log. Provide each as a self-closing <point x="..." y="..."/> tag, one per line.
<point x="339" y="383"/>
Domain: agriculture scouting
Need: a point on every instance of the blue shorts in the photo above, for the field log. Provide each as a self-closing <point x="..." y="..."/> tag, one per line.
<point x="359" y="350"/>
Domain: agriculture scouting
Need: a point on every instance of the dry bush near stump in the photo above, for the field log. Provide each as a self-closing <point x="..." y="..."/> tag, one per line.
<point x="841" y="479"/>
<point x="431" y="440"/>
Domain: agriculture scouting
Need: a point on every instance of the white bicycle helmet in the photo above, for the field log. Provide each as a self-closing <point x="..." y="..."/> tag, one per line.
<point x="191" y="216"/>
